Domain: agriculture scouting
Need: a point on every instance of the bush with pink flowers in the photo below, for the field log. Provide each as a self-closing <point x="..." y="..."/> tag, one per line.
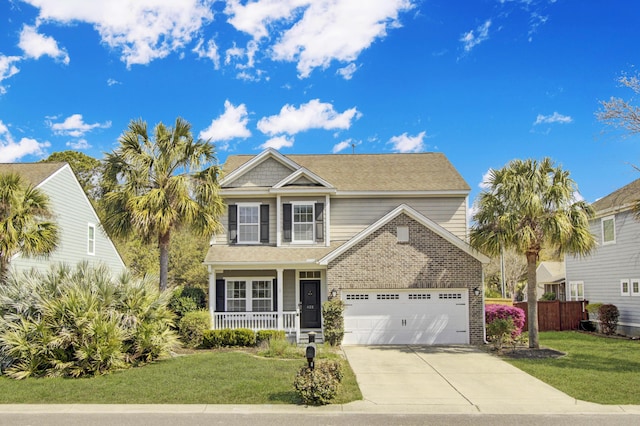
<point x="493" y="312"/>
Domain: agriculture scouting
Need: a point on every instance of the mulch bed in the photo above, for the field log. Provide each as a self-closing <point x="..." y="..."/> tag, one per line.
<point x="528" y="353"/>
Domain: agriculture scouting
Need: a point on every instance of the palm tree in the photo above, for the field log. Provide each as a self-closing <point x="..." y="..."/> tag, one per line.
<point x="24" y="221"/>
<point x="154" y="185"/>
<point x="529" y="205"/>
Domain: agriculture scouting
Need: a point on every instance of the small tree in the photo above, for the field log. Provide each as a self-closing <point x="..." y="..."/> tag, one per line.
<point x="333" y="321"/>
<point x="608" y="315"/>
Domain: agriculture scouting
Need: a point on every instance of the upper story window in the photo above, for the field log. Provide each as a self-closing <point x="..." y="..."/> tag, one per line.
<point x="608" y="230"/>
<point x="576" y="290"/>
<point x="249" y="223"/>
<point x="303" y="223"/>
<point x="91" y="239"/>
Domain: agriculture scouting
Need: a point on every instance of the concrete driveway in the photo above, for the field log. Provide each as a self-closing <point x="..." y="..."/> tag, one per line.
<point x="452" y="379"/>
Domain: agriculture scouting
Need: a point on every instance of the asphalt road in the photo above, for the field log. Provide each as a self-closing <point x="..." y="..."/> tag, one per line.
<point x="297" y="419"/>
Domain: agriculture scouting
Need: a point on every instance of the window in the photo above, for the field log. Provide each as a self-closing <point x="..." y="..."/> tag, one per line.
<point x="624" y="287"/>
<point x="250" y="295"/>
<point x="248" y="223"/>
<point x="576" y="290"/>
<point x="303" y="223"/>
<point x="635" y="287"/>
<point x="91" y="239"/>
<point x="310" y="275"/>
<point x="608" y="230"/>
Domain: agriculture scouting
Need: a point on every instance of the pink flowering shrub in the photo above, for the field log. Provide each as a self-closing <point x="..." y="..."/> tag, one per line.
<point x="493" y="312"/>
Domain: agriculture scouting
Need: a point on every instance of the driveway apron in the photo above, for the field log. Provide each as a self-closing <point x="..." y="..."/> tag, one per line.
<point x="446" y="375"/>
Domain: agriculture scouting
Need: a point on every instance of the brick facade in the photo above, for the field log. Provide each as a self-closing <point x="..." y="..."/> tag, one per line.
<point x="426" y="261"/>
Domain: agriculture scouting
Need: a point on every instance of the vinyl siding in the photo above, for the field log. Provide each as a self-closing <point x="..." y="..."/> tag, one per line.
<point x="73" y="214"/>
<point x="267" y="173"/>
<point x="350" y="216"/>
<point x="222" y="236"/>
<point x="602" y="271"/>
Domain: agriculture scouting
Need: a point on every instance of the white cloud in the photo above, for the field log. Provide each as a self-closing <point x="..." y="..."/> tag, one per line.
<point x="231" y="124"/>
<point x="327" y="29"/>
<point x="112" y="82"/>
<point x="143" y="30"/>
<point x="474" y="37"/>
<point x="7" y="69"/>
<point x="341" y="146"/>
<point x="36" y="45"/>
<point x="10" y="150"/>
<point x="484" y="183"/>
<point x="553" y="119"/>
<point x="312" y="115"/>
<point x="406" y="143"/>
<point x="278" y="142"/>
<point x="208" y="50"/>
<point x="74" y="126"/>
<point x="79" y="144"/>
<point x="348" y="71"/>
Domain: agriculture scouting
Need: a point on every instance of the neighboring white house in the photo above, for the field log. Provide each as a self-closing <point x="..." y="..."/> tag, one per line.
<point x="386" y="233"/>
<point x="550" y="277"/>
<point x="82" y="239"/>
<point x="612" y="273"/>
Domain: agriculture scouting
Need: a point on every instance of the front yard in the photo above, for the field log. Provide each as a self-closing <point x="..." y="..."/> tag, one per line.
<point x="211" y="377"/>
<point x="596" y="369"/>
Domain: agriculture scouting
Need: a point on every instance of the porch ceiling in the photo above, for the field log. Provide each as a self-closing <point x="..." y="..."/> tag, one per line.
<point x="239" y="255"/>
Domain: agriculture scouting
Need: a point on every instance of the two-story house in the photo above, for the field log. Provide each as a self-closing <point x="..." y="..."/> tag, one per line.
<point x="612" y="273"/>
<point x="385" y="232"/>
<point x="81" y="238"/>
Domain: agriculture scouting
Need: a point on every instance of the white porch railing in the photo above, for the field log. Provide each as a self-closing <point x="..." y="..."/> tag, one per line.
<point x="256" y="320"/>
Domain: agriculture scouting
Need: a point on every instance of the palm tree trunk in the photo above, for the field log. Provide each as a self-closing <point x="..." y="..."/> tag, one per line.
<point x="163" y="245"/>
<point x="532" y="300"/>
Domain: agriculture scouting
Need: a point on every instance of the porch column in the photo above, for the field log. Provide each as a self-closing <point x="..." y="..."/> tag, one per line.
<point x="280" y="296"/>
<point x="212" y="294"/>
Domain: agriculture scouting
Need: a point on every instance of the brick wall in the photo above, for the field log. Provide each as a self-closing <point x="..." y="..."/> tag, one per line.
<point x="426" y="261"/>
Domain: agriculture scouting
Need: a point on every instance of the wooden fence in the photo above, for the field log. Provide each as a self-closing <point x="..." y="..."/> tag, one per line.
<point x="557" y="316"/>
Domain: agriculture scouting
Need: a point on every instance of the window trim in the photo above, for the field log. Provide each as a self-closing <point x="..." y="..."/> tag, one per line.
<point x="312" y="223"/>
<point x="248" y="295"/>
<point x="91" y="239"/>
<point x="634" y="286"/>
<point x="624" y="282"/>
<point x="576" y="285"/>
<point x="602" y="221"/>
<point x="240" y="206"/>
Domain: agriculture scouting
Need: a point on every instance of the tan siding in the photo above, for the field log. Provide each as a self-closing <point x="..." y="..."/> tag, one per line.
<point x="350" y="216"/>
<point x="289" y="303"/>
<point x="222" y="236"/>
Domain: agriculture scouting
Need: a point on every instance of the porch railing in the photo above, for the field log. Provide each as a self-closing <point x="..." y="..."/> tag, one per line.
<point x="256" y="320"/>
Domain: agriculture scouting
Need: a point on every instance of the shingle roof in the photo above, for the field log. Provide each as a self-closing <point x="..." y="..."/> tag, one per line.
<point x="34" y="173"/>
<point x="623" y="197"/>
<point x="240" y="254"/>
<point x="376" y="172"/>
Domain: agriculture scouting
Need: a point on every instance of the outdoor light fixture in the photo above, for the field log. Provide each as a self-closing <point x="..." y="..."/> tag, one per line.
<point x="476" y="291"/>
<point x="334" y="293"/>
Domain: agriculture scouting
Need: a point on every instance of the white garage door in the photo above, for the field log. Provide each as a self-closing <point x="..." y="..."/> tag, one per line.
<point x="387" y="317"/>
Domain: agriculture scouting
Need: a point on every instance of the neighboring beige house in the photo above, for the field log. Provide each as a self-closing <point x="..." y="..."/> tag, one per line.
<point x="386" y="233"/>
<point x="81" y="238"/>
<point x="550" y="277"/>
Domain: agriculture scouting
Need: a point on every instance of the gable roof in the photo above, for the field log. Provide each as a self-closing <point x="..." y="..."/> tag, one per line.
<point x="621" y="199"/>
<point x="418" y="217"/>
<point x="550" y="272"/>
<point x="34" y="173"/>
<point x="365" y="172"/>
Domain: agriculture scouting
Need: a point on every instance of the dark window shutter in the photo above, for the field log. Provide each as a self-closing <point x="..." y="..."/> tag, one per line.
<point x="286" y="222"/>
<point x="264" y="223"/>
<point x="275" y="295"/>
<point x="220" y="293"/>
<point x="319" y="221"/>
<point x="233" y="223"/>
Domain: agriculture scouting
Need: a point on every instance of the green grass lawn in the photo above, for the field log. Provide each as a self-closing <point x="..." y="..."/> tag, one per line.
<point x="595" y="369"/>
<point x="202" y="378"/>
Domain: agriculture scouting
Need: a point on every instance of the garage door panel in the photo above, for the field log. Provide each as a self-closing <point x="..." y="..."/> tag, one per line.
<point x="413" y="317"/>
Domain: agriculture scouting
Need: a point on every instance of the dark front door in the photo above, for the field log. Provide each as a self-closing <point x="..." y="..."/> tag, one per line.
<point x="310" y="297"/>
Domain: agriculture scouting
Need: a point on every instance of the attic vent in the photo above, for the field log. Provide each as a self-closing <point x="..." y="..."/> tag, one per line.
<point x="403" y="234"/>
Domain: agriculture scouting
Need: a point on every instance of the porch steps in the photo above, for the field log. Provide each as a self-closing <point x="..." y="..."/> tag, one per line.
<point x="304" y="336"/>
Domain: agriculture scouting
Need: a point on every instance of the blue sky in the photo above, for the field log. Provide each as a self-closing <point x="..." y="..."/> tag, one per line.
<point x="482" y="81"/>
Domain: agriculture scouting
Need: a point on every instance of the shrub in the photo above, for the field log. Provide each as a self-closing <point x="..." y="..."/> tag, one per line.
<point x="548" y="296"/>
<point x="280" y="347"/>
<point x="608" y="315"/>
<point x="593" y="309"/>
<point x="500" y="332"/>
<point x="228" y="337"/>
<point x="267" y="335"/>
<point x="81" y="322"/>
<point x="320" y="385"/>
<point x="187" y="299"/>
<point x="493" y="312"/>
<point x="333" y="321"/>
<point x="192" y="327"/>
<point x="196" y="294"/>
<point x="245" y="337"/>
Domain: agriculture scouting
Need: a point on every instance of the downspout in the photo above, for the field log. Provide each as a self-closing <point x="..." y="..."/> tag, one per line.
<point x="484" y="314"/>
